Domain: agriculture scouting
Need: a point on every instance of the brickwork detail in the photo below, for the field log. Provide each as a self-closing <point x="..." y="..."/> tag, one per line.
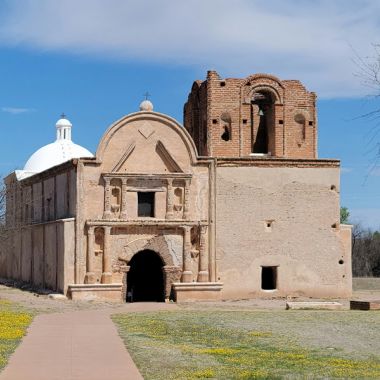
<point x="256" y="116"/>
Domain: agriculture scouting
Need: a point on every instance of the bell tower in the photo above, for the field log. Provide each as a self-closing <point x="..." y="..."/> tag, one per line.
<point x="257" y="116"/>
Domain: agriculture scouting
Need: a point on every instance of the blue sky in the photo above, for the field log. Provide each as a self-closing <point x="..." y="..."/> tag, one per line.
<point x="95" y="59"/>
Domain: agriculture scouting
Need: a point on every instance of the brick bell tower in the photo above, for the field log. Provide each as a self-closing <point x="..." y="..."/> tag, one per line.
<point x="259" y="116"/>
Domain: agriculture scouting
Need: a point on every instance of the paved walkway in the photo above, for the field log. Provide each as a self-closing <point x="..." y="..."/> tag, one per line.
<point x="81" y="345"/>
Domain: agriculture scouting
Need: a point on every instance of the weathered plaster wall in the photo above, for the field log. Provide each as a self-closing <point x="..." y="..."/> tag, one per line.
<point x="304" y="239"/>
<point x="42" y="255"/>
<point x="39" y="243"/>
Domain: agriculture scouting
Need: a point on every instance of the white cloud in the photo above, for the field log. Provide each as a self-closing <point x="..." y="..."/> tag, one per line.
<point x="16" y="110"/>
<point x="344" y="170"/>
<point x="306" y="40"/>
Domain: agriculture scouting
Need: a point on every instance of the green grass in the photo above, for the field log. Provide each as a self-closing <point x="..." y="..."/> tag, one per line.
<point x="249" y="345"/>
<point x="13" y="324"/>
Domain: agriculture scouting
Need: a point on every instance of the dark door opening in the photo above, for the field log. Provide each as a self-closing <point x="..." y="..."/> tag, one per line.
<point x="269" y="278"/>
<point x="145" y="279"/>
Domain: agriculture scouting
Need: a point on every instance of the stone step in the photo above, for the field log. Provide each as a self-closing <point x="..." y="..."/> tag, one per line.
<point x="313" y="305"/>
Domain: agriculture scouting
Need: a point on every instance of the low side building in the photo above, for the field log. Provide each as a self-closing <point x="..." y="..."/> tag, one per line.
<point x="147" y="218"/>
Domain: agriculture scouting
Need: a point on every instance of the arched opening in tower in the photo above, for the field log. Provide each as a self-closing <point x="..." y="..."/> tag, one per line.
<point x="262" y="116"/>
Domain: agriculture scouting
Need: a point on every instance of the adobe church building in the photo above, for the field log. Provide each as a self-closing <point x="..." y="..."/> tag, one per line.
<point x="233" y="205"/>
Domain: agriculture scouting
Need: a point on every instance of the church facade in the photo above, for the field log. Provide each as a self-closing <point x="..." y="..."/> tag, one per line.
<point x="233" y="205"/>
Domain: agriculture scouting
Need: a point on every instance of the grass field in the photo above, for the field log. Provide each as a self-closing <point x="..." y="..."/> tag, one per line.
<point x="13" y="324"/>
<point x="253" y="344"/>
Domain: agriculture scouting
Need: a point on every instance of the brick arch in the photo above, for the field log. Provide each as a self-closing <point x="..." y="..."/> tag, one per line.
<point x="261" y="76"/>
<point x="263" y="82"/>
<point x="259" y="87"/>
<point x="157" y="244"/>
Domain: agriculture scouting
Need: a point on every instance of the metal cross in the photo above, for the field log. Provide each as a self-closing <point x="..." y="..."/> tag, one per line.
<point x="147" y="95"/>
<point x="63" y="116"/>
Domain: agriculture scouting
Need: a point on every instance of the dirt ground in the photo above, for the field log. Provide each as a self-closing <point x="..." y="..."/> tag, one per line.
<point x="39" y="302"/>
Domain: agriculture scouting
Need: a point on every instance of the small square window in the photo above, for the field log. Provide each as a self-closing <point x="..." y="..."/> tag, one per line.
<point x="269" y="278"/>
<point x="311" y="123"/>
<point x="215" y="121"/>
<point x="245" y="121"/>
<point x="145" y="204"/>
<point x="281" y="122"/>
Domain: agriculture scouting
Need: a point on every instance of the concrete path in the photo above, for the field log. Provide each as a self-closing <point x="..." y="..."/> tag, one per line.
<point x="82" y="345"/>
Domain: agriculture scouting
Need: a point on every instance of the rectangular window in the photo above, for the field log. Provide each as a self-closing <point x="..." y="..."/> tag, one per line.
<point x="268" y="278"/>
<point x="145" y="204"/>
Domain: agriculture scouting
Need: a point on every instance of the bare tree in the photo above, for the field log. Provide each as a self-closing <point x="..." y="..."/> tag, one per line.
<point x="368" y="72"/>
<point x="365" y="252"/>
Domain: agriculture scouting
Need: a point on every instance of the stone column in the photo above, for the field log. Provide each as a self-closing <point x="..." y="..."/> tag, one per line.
<point x="203" y="256"/>
<point x="107" y="274"/>
<point x="169" y="199"/>
<point x="187" y="275"/>
<point x="123" y="214"/>
<point x="186" y="207"/>
<point x="107" y="198"/>
<point x="172" y="274"/>
<point x="90" y="275"/>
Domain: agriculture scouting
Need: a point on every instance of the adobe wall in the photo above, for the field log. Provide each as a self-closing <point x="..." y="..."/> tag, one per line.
<point x="39" y="241"/>
<point x="41" y="255"/>
<point x="284" y="216"/>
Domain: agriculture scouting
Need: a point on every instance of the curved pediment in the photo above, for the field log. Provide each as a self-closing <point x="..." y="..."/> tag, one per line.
<point x="146" y="142"/>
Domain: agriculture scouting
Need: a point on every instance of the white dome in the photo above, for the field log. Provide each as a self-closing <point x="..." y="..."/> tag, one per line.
<point x="63" y="123"/>
<point x="146" y="105"/>
<point x="56" y="153"/>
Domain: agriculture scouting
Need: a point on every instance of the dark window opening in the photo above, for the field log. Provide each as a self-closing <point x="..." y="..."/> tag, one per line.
<point x="146" y="204"/>
<point x="226" y="134"/>
<point x="145" y="279"/>
<point x="222" y="84"/>
<point x="281" y="122"/>
<point x="48" y="210"/>
<point x="268" y="278"/>
<point x="245" y="121"/>
<point x="310" y="123"/>
<point x="214" y="121"/>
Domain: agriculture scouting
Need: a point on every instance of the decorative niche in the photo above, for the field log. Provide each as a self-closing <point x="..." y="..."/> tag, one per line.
<point x="300" y="119"/>
<point x="115" y="196"/>
<point x="99" y="240"/>
<point x="178" y="200"/>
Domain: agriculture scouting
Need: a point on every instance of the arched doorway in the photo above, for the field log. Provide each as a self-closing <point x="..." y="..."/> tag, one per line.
<point x="145" y="280"/>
